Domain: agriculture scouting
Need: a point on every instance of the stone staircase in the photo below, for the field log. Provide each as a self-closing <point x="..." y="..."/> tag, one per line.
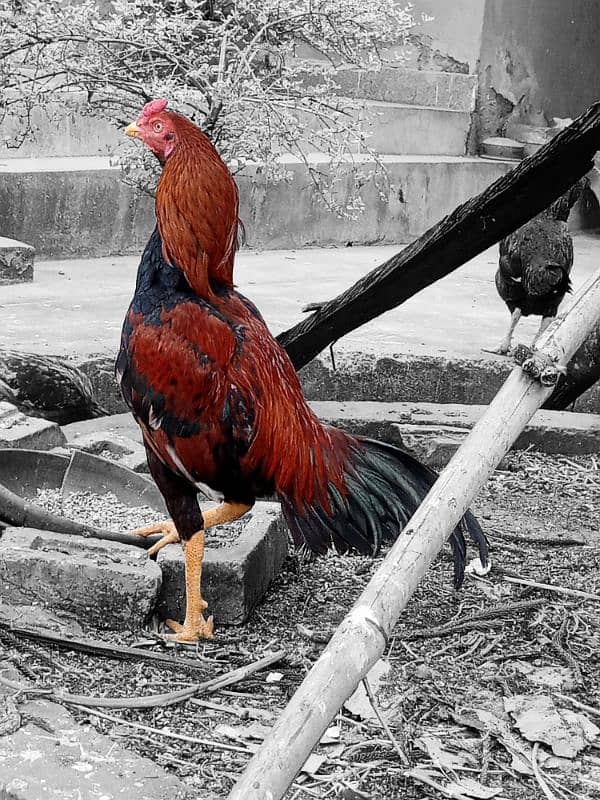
<point x="60" y="191"/>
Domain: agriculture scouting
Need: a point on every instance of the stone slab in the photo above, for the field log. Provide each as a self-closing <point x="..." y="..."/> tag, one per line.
<point x="32" y="433"/>
<point x="235" y="577"/>
<point x="452" y="91"/>
<point x="123" y="449"/>
<point x="16" y="261"/>
<point x="106" y="584"/>
<point x="435" y="431"/>
<point x="51" y="757"/>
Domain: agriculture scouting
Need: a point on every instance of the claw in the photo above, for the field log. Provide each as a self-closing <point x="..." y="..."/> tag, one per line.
<point x="169" y="535"/>
<point x="188" y="632"/>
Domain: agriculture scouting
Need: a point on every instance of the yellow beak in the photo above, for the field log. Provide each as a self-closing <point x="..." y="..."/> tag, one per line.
<point x="132" y="130"/>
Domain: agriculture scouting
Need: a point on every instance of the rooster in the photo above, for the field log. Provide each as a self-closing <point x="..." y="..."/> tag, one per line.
<point x="535" y="264"/>
<point x="218" y="400"/>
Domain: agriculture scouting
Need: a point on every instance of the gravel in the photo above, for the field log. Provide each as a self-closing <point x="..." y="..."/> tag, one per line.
<point x="100" y="510"/>
<point x="106" y="511"/>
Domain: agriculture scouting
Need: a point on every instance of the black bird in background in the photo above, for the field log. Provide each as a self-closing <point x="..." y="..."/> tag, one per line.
<point x="535" y="264"/>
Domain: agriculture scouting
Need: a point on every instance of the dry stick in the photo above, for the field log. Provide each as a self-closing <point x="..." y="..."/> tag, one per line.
<point x="383" y="723"/>
<point x="538" y="775"/>
<point x="473" y="620"/>
<point x="470" y="229"/>
<point x="552" y="588"/>
<point x="578" y="704"/>
<point x="116" y="651"/>
<point x="155" y="700"/>
<point x="362" y="637"/>
<point x="158" y="732"/>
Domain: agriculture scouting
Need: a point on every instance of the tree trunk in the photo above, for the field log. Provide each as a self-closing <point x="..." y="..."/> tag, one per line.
<point x="471" y="228"/>
<point x="362" y="637"/>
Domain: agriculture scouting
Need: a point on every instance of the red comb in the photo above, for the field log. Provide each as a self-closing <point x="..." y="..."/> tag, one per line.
<point x="154" y="107"/>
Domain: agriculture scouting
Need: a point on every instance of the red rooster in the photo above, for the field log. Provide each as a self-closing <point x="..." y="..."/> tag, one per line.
<point x="218" y="400"/>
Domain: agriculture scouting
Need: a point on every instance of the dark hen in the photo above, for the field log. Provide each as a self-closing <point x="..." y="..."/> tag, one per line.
<point x="535" y="264"/>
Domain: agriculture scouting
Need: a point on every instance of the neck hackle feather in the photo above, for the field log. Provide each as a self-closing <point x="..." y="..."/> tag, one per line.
<point x="197" y="210"/>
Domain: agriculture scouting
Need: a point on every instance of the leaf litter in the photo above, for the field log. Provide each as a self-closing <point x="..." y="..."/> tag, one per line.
<point x="497" y="696"/>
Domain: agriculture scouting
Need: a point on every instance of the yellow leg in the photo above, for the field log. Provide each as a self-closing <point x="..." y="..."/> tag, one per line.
<point x="195" y="626"/>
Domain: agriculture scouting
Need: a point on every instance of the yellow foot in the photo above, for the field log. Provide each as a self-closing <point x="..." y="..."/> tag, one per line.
<point x="169" y="535"/>
<point x="190" y="632"/>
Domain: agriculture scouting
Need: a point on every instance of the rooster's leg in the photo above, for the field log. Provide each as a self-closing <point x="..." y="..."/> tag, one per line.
<point x="169" y="535"/>
<point x="195" y="626"/>
<point x="504" y="346"/>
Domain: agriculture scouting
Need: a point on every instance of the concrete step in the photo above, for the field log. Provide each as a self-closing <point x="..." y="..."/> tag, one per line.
<point x="399" y="129"/>
<point x="16" y="261"/>
<point x="80" y="206"/>
<point x="452" y="91"/>
<point x="67" y="128"/>
<point x="420" y="130"/>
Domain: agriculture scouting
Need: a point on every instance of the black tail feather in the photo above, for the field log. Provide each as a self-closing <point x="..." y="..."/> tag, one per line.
<point x="384" y="487"/>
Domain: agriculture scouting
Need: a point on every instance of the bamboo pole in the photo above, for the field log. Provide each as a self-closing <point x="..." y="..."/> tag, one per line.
<point x="361" y="638"/>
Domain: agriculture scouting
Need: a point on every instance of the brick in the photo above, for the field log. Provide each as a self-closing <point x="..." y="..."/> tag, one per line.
<point x="106" y="584"/>
<point x="16" y="261"/>
<point x="19" y="430"/>
<point x="234" y="578"/>
<point x="51" y="757"/>
<point x="114" y="446"/>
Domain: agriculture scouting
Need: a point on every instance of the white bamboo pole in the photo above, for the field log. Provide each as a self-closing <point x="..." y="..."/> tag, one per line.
<point x="361" y="638"/>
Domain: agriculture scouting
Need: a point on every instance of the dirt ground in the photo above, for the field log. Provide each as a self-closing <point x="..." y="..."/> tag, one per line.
<point x="456" y="703"/>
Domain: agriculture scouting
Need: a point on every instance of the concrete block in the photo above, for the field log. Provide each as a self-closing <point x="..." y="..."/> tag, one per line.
<point x="434" y="431"/>
<point x="33" y="433"/>
<point x="51" y="757"/>
<point x="16" y="261"/>
<point x="419" y="130"/>
<point x="448" y="90"/>
<point x="234" y="578"/>
<point x="113" y="446"/>
<point x="107" y="584"/>
<point x="400" y="129"/>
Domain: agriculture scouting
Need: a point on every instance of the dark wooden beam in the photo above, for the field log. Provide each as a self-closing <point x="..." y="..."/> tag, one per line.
<point x="470" y="229"/>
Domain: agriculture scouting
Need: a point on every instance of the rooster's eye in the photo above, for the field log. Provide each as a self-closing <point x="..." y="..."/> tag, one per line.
<point x="158" y="126"/>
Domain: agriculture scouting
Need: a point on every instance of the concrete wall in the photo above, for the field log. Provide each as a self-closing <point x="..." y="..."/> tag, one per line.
<point x="453" y="29"/>
<point x="539" y="59"/>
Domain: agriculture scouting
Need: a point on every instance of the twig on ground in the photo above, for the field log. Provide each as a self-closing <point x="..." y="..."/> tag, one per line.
<point x="472" y="650"/>
<point x="401" y="754"/>
<point x="549" y="587"/>
<point x="489" y="647"/>
<point x="489" y="615"/>
<point x="168" y="734"/>
<point x="115" y="651"/>
<point x="421" y="776"/>
<point x="567" y="541"/>
<point x="566" y="655"/>
<point x="159" y="700"/>
<point x="578" y="704"/>
<point x="538" y="774"/>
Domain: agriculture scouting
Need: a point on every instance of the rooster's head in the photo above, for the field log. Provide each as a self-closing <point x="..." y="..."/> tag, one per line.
<point x="156" y="128"/>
